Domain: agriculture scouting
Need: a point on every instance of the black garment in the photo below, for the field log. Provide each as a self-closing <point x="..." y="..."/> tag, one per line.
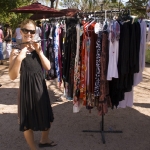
<point x="118" y="86"/>
<point x="35" y="108"/>
<point x="9" y="35"/>
<point x="135" y="36"/>
<point x="50" y="54"/>
<point x="125" y="81"/>
<point x="70" y="53"/>
<point x="128" y="61"/>
<point x="138" y="39"/>
<point x="127" y="38"/>
<point x="124" y="48"/>
<point x="70" y="37"/>
<point x="67" y="58"/>
<point x="72" y="61"/>
<point x="98" y="65"/>
<point x="116" y="93"/>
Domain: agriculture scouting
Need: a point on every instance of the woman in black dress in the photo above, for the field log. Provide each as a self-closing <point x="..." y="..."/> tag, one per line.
<point x="35" y="111"/>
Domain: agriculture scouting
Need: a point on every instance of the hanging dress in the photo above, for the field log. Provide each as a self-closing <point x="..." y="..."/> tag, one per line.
<point x="104" y="99"/>
<point x="35" y="108"/>
<point x="138" y="76"/>
<point x="113" y="50"/>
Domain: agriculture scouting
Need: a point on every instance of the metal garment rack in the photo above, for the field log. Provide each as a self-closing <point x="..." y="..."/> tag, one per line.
<point x="102" y="131"/>
<point x="100" y="12"/>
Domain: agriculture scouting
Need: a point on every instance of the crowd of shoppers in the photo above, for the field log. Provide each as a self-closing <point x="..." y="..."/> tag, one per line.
<point x="5" y="41"/>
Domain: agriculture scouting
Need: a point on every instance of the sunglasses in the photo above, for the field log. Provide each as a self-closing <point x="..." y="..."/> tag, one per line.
<point x="26" y="31"/>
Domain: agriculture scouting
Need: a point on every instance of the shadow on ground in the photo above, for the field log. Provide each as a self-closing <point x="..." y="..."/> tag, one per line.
<point x="67" y="127"/>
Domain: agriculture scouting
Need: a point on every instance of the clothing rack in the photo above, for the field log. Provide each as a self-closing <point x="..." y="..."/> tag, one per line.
<point x="102" y="131"/>
<point x="102" y="12"/>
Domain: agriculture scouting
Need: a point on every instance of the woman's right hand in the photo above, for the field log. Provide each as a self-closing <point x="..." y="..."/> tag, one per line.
<point x="23" y="53"/>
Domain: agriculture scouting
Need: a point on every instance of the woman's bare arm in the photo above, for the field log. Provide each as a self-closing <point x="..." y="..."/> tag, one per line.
<point x="15" y="62"/>
<point x="45" y="62"/>
<point x="14" y="65"/>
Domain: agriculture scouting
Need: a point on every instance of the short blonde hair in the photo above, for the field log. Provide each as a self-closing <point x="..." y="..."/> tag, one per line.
<point x="26" y="22"/>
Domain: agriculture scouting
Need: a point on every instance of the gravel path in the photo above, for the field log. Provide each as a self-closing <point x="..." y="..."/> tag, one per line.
<point x="67" y="127"/>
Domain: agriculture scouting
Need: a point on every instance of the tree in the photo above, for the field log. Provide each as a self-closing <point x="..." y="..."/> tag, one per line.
<point x="78" y="4"/>
<point x="9" y="17"/>
<point x="57" y="3"/>
<point x="137" y="7"/>
<point x="51" y="2"/>
<point x="91" y="5"/>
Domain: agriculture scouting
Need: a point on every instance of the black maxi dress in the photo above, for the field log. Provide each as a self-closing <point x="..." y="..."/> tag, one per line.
<point x="35" y="111"/>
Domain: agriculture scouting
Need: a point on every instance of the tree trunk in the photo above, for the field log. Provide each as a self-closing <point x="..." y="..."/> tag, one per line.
<point x="57" y="2"/>
<point x="52" y="3"/>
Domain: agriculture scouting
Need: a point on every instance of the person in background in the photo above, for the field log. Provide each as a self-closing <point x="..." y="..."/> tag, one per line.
<point x="1" y="24"/>
<point x="17" y="35"/>
<point x="8" y="39"/>
<point x="34" y="111"/>
<point x="1" y="45"/>
<point x="38" y="24"/>
<point x="38" y="33"/>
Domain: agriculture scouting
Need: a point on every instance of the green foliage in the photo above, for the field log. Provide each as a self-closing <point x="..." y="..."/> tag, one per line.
<point x="78" y="4"/>
<point x="9" y="17"/>
<point x="137" y="7"/>
<point x="92" y="5"/>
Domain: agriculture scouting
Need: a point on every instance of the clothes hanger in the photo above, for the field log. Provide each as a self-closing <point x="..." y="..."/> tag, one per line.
<point x="90" y="22"/>
<point x="105" y="15"/>
<point x="126" y="15"/>
<point x="105" y="25"/>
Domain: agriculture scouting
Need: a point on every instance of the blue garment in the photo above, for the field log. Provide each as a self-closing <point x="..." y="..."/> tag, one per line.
<point x="56" y="47"/>
<point x="13" y="39"/>
<point x="1" y="51"/>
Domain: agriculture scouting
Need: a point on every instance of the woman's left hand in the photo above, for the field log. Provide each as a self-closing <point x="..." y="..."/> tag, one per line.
<point x="36" y="46"/>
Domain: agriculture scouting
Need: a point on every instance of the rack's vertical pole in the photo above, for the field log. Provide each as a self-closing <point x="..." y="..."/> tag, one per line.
<point x="102" y="127"/>
<point x="102" y="122"/>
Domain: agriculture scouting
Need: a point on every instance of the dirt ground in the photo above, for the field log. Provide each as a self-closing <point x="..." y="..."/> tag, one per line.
<point x="68" y="126"/>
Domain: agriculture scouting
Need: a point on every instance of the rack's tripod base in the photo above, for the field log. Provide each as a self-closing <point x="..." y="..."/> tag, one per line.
<point x="102" y="130"/>
<point x="102" y="133"/>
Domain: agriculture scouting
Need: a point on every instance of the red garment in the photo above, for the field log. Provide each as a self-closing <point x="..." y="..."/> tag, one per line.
<point x="83" y="72"/>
